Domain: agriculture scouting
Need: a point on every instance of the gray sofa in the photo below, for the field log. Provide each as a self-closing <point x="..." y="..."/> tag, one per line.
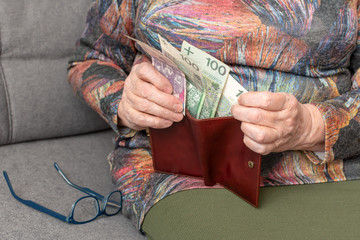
<point x="42" y="122"/>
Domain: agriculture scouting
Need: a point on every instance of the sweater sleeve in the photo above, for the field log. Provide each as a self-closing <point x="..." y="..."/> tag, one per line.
<point x="103" y="57"/>
<point x="342" y="116"/>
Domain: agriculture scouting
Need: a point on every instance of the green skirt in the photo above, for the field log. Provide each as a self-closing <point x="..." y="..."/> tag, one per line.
<point x="316" y="211"/>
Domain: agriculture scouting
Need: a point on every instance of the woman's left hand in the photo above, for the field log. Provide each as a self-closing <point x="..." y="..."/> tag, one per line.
<point x="276" y="122"/>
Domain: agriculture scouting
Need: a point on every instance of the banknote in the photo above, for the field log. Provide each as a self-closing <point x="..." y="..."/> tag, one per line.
<point x="167" y="68"/>
<point x="153" y="52"/>
<point x="193" y="74"/>
<point x="176" y="78"/>
<point x="193" y="98"/>
<point x="215" y="74"/>
<point x="191" y="69"/>
<point x="191" y="83"/>
<point x="232" y="90"/>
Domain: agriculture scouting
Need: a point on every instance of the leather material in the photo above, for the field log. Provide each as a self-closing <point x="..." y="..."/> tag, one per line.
<point x="209" y="148"/>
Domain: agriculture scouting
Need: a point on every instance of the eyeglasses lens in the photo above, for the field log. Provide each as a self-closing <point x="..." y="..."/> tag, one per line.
<point x="113" y="205"/>
<point x="86" y="209"/>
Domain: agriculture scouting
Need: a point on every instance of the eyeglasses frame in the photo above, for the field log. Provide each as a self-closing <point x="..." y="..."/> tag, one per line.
<point x="70" y="218"/>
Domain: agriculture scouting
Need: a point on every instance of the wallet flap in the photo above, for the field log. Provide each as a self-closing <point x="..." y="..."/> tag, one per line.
<point x="209" y="148"/>
<point x="174" y="149"/>
<point x="228" y="160"/>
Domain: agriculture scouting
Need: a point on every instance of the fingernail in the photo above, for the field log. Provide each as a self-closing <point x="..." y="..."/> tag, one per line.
<point x="178" y="107"/>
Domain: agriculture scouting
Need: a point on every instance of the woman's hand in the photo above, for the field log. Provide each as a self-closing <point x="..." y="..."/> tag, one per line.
<point x="147" y="100"/>
<point x="276" y="122"/>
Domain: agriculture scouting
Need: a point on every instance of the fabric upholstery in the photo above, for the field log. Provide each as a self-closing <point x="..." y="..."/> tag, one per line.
<point x="33" y="176"/>
<point x="4" y="114"/>
<point x="37" y="39"/>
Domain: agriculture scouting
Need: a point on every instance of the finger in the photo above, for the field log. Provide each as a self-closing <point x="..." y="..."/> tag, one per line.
<point x="260" y="134"/>
<point x="265" y="100"/>
<point x="148" y="91"/>
<point x="141" y="120"/>
<point x="257" y="116"/>
<point x="149" y="107"/>
<point x="262" y="149"/>
<point x="146" y="72"/>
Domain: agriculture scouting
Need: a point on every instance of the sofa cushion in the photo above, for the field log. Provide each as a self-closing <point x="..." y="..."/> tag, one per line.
<point x="33" y="177"/>
<point x="36" y="102"/>
<point x="4" y="114"/>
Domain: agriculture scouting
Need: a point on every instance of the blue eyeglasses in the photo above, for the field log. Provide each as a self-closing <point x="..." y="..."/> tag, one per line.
<point x="85" y="209"/>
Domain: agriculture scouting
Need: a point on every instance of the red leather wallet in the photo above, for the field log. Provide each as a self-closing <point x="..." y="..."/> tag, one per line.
<point x="209" y="148"/>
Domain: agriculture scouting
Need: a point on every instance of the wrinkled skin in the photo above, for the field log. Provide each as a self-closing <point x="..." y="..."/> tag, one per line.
<point x="276" y="122"/>
<point x="271" y="122"/>
<point x="147" y="100"/>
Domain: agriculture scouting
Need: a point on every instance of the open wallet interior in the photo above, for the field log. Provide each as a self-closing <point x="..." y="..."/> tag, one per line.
<point x="212" y="149"/>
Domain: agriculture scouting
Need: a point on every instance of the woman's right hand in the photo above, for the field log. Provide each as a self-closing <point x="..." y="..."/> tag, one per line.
<point x="147" y="100"/>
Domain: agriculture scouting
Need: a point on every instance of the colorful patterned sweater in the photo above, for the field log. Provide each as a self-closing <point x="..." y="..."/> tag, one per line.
<point x="309" y="48"/>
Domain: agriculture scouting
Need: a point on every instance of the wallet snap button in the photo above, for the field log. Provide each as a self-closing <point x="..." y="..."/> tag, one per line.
<point x="251" y="164"/>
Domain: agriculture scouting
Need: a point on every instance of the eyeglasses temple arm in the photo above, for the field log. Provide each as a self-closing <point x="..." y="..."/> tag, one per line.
<point x="33" y="204"/>
<point x="85" y="190"/>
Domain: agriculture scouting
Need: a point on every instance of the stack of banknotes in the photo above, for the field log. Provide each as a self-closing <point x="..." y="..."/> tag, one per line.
<point x="202" y="82"/>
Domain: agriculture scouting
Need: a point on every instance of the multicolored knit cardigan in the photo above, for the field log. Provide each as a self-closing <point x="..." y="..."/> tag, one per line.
<point x="309" y="48"/>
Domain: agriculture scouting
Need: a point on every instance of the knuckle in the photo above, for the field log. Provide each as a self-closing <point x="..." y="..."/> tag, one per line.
<point x="151" y="122"/>
<point x="145" y="92"/>
<point x="144" y="106"/>
<point x="126" y="100"/>
<point x="136" y="118"/>
<point x="292" y="103"/>
<point x="141" y="120"/>
<point x="128" y="85"/>
<point x="260" y="137"/>
<point x="266" y="100"/>
<point x="256" y="116"/>
<point x="141" y="70"/>
<point x="163" y="100"/>
<point x="291" y="123"/>
<point x="130" y="118"/>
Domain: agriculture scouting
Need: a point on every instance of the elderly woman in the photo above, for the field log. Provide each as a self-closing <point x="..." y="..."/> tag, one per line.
<point x="299" y="60"/>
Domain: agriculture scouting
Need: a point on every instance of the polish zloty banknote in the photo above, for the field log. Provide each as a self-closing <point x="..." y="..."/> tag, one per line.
<point x="231" y="92"/>
<point x="168" y="69"/>
<point x="215" y="74"/>
<point x="195" y="98"/>
<point x="193" y="73"/>
<point x="176" y="78"/>
<point x="153" y="52"/>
